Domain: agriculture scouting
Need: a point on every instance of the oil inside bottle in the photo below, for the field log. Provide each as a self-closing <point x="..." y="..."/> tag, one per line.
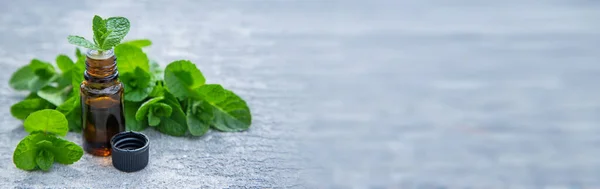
<point x="103" y="119"/>
<point x="101" y="103"/>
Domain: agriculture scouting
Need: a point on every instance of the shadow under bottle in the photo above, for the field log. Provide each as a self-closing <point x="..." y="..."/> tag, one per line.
<point x="101" y="102"/>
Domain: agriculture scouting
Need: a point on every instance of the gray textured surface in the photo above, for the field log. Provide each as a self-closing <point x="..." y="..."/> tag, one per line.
<point x="363" y="94"/>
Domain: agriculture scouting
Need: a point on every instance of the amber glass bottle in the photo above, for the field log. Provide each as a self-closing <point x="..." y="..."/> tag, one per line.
<point x="101" y="102"/>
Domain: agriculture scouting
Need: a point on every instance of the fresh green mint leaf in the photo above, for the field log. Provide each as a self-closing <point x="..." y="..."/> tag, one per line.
<point x="157" y="72"/>
<point x="77" y="77"/>
<point x="22" y="109"/>
<point x="172" y="127"/>
<point x="44" y="159"/>
<point x="26" y="155"/>
<point x="152" y="119"/>
<point x="78" y="52"/>
<point x="231" y="113"/>
<point x="21" y="79"/>
<point x="131" y="57"/>
<point x="54" y="95"/>
<point x="26" y="152"/>
<point x="132" y="124"/>
<point x="138" y="84"/>
<point x="182" y="77"/>
<point x="162" y="110"/>
<point x="42" y="69"/>
<point x="64" y="63"/>
<point x="82" y="42"/>
<point x="72" y="111"/>
<point x="175" y="124"/>
<point x="65" y="152"/>
<point x="145" y="107"/>
<point x="33" y="77"/>
<point x="118" y="27"/>
<point x="159" y="89"/>
<point x="104" y="39"/>
<point x="47" y="121"/>
<point x="99" y="28"/>
<point x="141" y="43"/>
<point x="199" y="116"/>
<point x="163" y="113"/>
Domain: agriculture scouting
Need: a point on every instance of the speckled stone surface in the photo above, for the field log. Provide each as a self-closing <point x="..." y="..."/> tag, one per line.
<point x="348" y="94"/>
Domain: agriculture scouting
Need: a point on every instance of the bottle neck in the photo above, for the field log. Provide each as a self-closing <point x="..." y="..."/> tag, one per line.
<point x="101" y="67"/>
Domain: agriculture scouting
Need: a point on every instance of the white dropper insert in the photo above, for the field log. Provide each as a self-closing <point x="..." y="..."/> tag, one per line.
<point x="100" y="55"/>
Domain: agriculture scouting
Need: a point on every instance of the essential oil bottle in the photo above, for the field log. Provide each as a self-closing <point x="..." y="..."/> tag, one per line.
<point x="101" y="102"/>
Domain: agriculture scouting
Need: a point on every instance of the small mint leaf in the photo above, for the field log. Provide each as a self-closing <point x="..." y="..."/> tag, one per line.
<point x="44" y="159"/>
<point x="152" y="119"/>
<point x="99" y="28"/>
<point x="199" y="116"/>
<point x="82" y="42"/>
<point x="138" y="84"/>
<point x="145" y="108"/>
<point x="132" y="123"/>
<point x="27" y="151"/>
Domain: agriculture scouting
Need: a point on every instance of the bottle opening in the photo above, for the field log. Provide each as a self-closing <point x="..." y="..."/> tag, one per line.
<point x="100" y="55"/>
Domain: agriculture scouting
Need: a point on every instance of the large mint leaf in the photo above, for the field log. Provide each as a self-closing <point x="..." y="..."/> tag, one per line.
<point x="82" y="42"/>
<point x="118" y="27"/>
<point x="230" y="111"/>
<point x="47" y="121"/>
<point x="182" y="77"/>
<point x="130" y="57"/>
<point x="22" y="109"/>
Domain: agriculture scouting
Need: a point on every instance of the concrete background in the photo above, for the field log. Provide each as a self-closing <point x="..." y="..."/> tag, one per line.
<point x="348" y="94"/>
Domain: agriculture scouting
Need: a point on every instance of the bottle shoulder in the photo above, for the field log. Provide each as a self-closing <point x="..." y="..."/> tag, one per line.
<point x="101" y="88"/>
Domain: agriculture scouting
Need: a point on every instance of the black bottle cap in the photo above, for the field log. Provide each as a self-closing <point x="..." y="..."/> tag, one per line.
<point x="130" y="151"/>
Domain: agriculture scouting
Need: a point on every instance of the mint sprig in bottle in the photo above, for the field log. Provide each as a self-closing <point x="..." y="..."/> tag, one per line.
<point x="101" y="91"/>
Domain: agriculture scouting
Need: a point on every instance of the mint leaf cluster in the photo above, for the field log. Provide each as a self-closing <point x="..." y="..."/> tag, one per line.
<point x="44" y="145"/>
<point x="175" y="101"/>
<point x="107" y="33"/>
<point x="50" y="88"/>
